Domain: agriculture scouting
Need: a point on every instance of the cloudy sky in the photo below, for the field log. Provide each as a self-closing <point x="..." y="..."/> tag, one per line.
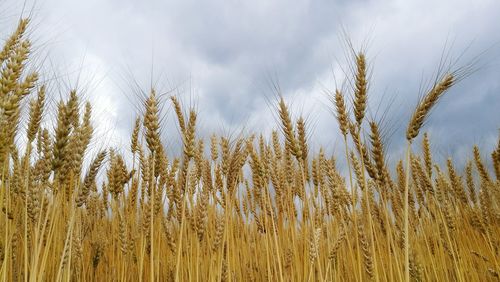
<point x="224" y="57"/>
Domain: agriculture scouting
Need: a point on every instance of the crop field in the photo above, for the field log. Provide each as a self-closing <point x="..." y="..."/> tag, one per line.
<point x="235" y="208"/>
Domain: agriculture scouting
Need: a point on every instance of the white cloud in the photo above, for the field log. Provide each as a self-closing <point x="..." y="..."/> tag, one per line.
<point x="223" y="53"/>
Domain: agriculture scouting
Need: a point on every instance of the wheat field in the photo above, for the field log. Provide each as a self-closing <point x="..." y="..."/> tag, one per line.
<point x="246" y="208"/>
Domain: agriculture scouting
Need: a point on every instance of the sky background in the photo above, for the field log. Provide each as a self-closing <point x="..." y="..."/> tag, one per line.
<point x="224" y="57"/>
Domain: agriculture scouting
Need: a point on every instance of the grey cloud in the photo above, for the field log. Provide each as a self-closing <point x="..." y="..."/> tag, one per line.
<point x="223" y="54"/>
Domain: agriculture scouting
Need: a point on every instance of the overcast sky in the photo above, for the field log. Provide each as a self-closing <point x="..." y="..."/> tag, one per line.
<point x="224" y="57"/>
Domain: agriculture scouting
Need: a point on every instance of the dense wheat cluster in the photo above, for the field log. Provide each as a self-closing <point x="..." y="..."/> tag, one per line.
<point x="249" y="208"/>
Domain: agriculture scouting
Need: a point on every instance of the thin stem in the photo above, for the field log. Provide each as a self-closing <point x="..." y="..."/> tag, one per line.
<point x="406" y="235"/>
